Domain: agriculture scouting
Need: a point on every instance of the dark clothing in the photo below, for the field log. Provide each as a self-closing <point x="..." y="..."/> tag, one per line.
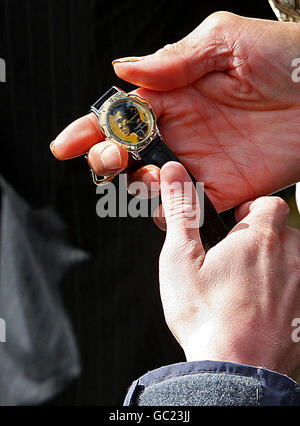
<point x="213" y="383"/>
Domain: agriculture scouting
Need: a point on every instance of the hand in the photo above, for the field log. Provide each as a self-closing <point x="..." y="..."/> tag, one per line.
<point x="237" y="302"/>
<point x="227" y="107"/>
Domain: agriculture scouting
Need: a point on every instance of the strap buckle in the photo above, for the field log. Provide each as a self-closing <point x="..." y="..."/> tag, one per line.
<point x="101" y="180"/>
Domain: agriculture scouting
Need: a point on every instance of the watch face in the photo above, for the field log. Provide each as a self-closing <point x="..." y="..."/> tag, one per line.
<point x="129" y="121"/>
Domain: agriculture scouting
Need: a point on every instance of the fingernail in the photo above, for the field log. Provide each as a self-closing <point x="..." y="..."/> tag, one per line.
<point x="173" y="172"/>
<point x="111" y="158"/>
<point x="128" y="59"/>
<point x="52" y="148"/>
<point x="55" y="145"/>
<point x="154" y="174"/>
<point x="52" y="145"/>
<point x="145" y="176"/>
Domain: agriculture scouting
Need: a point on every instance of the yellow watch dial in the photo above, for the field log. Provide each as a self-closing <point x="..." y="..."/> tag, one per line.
<point x="129" y="121"/>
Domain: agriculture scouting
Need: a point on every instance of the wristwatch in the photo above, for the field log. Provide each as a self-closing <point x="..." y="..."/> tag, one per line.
<point x="129" y="120"/>
<point x="286" y="10"/>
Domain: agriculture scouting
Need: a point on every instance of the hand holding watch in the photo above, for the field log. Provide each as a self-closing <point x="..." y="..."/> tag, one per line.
<point x="129" y="120"/>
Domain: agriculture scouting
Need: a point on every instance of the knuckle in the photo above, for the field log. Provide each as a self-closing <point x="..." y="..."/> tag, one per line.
<point x="181" y="206"/>
<point x="220" y="18"/>
<point x="182" y="215"/>
<point x="173" y="48"/>
<point x="279" y="205"/>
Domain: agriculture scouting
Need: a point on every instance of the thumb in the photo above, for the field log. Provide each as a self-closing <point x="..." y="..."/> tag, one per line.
<point x="179" y="64"/>
<point x="181" y="206"/>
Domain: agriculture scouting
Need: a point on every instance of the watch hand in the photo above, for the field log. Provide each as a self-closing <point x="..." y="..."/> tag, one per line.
<point x="132" y="118"/>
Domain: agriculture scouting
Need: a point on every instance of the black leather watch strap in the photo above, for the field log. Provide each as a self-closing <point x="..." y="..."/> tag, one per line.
<point x="104" y="98"/>
<point x="213" y="229"/>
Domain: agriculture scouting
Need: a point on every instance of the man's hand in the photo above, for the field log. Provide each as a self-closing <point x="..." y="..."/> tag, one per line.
<point x="227" y="107"/>
<point x="239" y="301"/>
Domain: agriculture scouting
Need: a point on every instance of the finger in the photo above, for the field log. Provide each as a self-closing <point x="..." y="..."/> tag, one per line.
<point x="77" y="138"/>
<point x="176" y="65"/>
<point x="266" y="212"/>
<point x="181" y="206"/>
<point x="149" y="177"/>
<point x="242" y="211"/>
<point x="107" y="158"/>
<point x="159" y="218"/>
<point x="154" y="98"/>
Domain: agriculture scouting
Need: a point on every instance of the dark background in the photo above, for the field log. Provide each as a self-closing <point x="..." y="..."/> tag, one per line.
<point x="59" y="55"/>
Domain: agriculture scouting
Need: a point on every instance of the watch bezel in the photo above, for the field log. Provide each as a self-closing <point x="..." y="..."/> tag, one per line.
<point x="102" y="118"/>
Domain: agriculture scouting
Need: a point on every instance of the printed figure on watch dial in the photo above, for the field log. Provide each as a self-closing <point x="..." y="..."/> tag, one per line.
<point x="129" y="122"/>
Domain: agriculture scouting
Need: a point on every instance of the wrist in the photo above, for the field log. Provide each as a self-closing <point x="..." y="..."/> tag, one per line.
<point x="245" y="347"/>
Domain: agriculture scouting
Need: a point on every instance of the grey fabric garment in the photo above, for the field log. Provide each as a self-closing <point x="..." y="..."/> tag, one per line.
<point x="39" y="356"/>
<point x="205" y="389"/>
<point x="212" y="383"/>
